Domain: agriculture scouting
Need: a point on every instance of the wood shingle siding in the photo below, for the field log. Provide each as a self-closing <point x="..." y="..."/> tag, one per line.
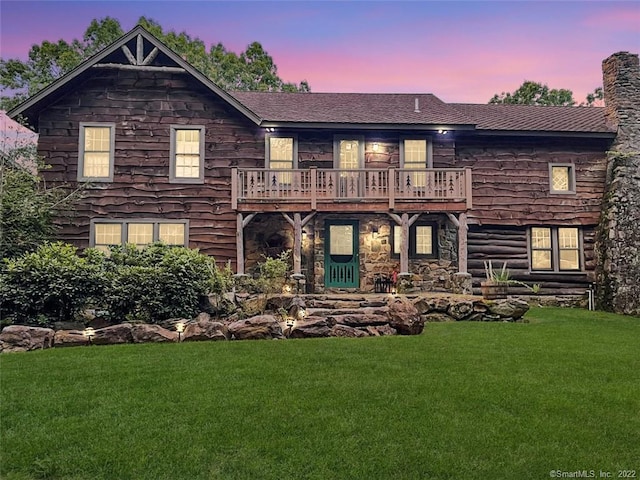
<point x="143" y="105"/>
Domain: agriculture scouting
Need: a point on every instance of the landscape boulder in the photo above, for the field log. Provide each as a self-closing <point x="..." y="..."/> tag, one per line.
<point x="145" y="333"/>
<point x="70" y="338"/>
<point x="346" y="331"/>
<point x="203" y="328"/>
<point x="511" y="308"/>
<point x="312" y="327"/>
<point x="255" y="328"/>
<point x="113" y="335"/>
<point x="21" y="338"/>
<point x="404" y="317"/>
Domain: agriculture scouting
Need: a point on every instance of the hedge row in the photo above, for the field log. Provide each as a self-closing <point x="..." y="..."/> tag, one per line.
<point x="56" y="283"/>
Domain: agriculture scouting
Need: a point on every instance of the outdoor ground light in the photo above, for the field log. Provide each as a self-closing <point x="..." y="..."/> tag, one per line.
<point x="179" y="329"/>
<point x="394" y="291"/>
<point x="89" y="332"/>
<point x="286" y="288"/>
<point x="302" y="313"/>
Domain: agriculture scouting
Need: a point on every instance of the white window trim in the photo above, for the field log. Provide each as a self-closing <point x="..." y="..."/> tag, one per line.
<point x="267" y="147"/>
<point x="415" y="137"/>
<point x="172" y="158"/>
<point x="572" y="179"/>
<point x="125" y="223"/>
<point x="336" y="149"/>
<point x="81" y="152"/>
<point x="412" y="240"/>
<point x="555" y="251"/>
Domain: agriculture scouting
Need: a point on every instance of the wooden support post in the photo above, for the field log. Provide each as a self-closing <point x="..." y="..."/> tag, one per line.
<point x="297" y="223"/>
<point x="469" y="188"/>
<point x="391" y="185"/>
<point x="240" y="224"/>
<point x="239" y="245"/>
<point x="461" y="225"/>
<point x="314" y="186"/>
<point x="405" y="222"/>
<point x="234" y="188"/>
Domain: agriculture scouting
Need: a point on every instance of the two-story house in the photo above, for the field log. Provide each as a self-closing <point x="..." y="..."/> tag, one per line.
<point x="355" y="185"/>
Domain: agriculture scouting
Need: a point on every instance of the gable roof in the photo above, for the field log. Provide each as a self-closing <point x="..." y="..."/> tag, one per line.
<point x="137" y="47"/>
<point x="535" y="118"/>
<point x="353" y="109"/>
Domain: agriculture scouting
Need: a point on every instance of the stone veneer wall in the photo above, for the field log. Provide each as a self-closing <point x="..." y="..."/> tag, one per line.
<point x="618" y="273"/>
<point x="430" y="275"/>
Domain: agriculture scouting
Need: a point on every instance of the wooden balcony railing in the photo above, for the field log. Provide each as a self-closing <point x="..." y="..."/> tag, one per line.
<point x="319" y="185"/>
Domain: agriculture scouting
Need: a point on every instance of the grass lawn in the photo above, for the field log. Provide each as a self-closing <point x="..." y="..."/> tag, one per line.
<point x="460" y="401"/>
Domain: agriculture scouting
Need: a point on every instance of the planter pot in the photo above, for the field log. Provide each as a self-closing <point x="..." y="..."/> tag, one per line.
<point x="493" y="290"/>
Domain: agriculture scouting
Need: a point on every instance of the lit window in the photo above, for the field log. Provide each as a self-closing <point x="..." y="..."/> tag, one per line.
<point x="569" y="249"/>
<point x="140" y="234"/>
<point x="562" y="178"/>
<point x="106" y="235"/>
<point x="172" y="233"/>
<point x="415" y="154"/>
<point x="96" y="152"/>
<point x="187" y="154"/>
<point x="281" y="156"/>
<point x="421" y="241"/>
<point x="555" y="249"/>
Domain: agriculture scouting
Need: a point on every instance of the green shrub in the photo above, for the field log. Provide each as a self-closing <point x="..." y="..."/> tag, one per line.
<point x="51" y="284"/>
<point x="159" y="282"/>
<point x="272" y="274"/>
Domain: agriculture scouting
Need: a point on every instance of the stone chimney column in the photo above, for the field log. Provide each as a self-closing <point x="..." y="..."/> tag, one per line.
<point x="618" y="245"/>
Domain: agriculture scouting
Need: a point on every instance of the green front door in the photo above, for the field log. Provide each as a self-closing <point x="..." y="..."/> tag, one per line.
<point x="341" y="258"/>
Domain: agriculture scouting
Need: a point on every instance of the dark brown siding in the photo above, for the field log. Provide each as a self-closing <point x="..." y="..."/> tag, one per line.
<point x="143" y="105"/>
<point x="511" y="180"/>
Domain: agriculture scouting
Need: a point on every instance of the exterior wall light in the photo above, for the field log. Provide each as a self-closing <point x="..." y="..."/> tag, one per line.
<point x="374" y="230"/>
<point x="179" y="329"/>
<point x="89" y="332"/>
<point x="442" y="132"/>
<point x="376" y="147"/>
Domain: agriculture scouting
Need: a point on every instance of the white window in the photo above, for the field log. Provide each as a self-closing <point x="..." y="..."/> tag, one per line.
<point x="348" y="152"/>
<point x="140" y="234"/>
<point x="137" y="232"/>
<point x="562" y="178"/>
<point x="187" y="154"/>
<point x="555" y="248"/>
<point x="96" y="152"/>
<point x="281" y="155"/>
<point x="106" y="235"/>
<point x="415" y="154"/>
<point x="421" y="240"/>
<point x="172" y="233"/>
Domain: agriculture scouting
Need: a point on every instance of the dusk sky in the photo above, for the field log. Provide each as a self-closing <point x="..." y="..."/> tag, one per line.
<point x="459" y="50"/>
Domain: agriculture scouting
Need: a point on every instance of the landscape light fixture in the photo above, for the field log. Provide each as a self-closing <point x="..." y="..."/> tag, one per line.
<point x="302" y="313"/>
<point x="286" y="288"/>
<point x="290" y="322"/>
<point x="89" y="332"/>
<point x="179" y="329"/>
<point x="394" y="291"/>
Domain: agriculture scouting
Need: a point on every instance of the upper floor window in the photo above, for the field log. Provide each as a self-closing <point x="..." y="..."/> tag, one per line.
<point x="348" y="152"/>
<point x="421" y="240"/>
<point x="282" y="154"/>
<point x="187" y="154"/>
<point x="415" y="154"/>
<point x="562" y="178"/>
<point x="105" y="234"/>
<point x="96" y="152"/>
<point x="555" y="248"/>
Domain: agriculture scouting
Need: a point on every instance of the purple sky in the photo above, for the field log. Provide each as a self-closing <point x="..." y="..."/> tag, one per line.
<point x="459" y="50"/>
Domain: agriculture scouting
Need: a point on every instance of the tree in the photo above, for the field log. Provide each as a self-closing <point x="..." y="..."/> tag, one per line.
<point x="252" y="69"/>
<point x="594" y="99"/>
<point x="27" y="205"/>
<point x="534" y="93"/>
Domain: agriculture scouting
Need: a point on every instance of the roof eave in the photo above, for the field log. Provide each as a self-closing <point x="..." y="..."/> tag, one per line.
<point x="87" y="64"/>
<point x="547" y="133"/>
<point x="365" y="126"/>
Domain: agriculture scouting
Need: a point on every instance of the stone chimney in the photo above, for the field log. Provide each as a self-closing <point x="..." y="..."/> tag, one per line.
<point x="618" y="248"/>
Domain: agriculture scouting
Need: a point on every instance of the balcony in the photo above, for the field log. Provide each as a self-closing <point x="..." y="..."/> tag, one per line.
<point x="365" y="190"/>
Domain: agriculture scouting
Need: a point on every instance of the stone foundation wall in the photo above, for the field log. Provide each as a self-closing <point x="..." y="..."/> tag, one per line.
<point x="429" y="274"/>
